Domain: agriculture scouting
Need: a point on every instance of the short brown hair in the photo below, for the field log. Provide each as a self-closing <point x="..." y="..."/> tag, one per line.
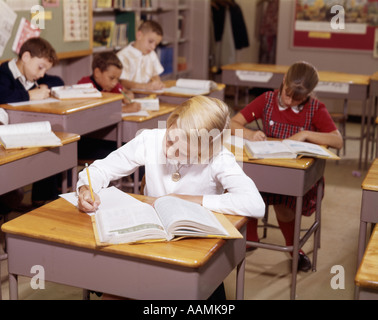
<point x="300" y="80"/>
<point x="103" y="60"/>
<point x="151" y="26"/>
<point x="40" y="48"/>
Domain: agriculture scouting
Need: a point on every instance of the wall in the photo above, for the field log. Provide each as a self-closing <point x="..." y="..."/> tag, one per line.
<point x="349" y="61"/>
<point x="250" y="54"/>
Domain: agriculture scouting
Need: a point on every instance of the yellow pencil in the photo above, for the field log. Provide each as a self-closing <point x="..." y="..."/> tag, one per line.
<point x="90" y="184"/>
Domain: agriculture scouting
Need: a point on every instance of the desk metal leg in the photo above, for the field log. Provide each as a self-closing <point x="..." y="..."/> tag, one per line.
<point x="240" y="272"/>
<point x="364" y="131"/>
<point x="64" y="181"/>
<point x="297" y="228"/>
<point x="318" y="221"/>
<point x="13" y="286"/>
<point x="119" y="134"/>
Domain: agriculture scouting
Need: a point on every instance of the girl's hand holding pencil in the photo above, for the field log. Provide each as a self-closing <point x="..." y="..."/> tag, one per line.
<point x="259" y="135"/>
<point x="88" y="200"/>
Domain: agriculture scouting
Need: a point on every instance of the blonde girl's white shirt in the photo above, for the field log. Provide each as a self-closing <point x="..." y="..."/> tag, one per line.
<point x="209" y="180"/>
<point x="138" y="67"/>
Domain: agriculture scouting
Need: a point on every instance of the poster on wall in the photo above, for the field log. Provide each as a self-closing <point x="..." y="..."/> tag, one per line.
<point x="335" y="24"/>
<point x="76" y="20"/>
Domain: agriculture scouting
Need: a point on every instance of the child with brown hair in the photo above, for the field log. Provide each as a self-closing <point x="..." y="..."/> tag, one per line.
<point x="292" y="112"/>
<point x="141" y="65"/>
<point x="106" y="71"/>
<point x="24" y="78"/>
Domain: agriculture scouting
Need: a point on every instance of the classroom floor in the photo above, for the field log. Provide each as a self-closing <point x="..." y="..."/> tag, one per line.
<point x="268" y="274"/>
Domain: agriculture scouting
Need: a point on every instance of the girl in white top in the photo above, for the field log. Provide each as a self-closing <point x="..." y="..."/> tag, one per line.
<point x="186" y="160"/>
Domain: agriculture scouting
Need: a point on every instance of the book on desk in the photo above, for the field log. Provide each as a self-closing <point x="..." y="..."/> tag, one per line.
<point x="122" y="218"/>
<point x="286" y="149"/>
<point x="28" y="135"/>
<point x="77" y="91"/>
<point x="192" y="87"/>
<point x="168" y="219"/>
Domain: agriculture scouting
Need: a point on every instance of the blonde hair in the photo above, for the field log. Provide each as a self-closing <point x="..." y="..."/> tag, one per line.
<point x="300" y="80"/>
<point x="203" y="121"/>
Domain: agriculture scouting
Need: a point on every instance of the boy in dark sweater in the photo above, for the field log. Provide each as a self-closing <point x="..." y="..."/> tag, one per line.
<point x="24" y="78"/>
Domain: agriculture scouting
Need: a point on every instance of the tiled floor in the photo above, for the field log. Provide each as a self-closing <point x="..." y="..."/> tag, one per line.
<point x="268" y="273"/>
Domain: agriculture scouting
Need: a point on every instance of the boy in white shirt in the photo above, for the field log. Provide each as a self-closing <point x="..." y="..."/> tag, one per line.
<point x="141" y="65"/>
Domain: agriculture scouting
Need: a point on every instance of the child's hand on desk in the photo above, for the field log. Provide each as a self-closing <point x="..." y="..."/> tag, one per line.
<point x="154" y="85"/>
<point x="131" y="107"/>
<point x="300" y="136"/>
<point x="43" y="92"/>
<point x="86" y="203"/>
<point x="259" y="136"/>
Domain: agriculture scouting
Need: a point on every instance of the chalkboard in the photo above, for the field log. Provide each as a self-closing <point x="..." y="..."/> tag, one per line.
<point x="53" y="32"/>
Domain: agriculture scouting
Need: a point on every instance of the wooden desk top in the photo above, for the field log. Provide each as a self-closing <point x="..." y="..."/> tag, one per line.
<point x="61" y="222"/>
<point x="371" y="180"/>
<point x="10" y="155"/>
<point x="172" y="83"/>
<point x="374" y="77"/>
<point x="64" y="107"/>
<point x="256" y="67"/>
<point x="367" y="274"/>
<point x="241" y="155"/>
<point x="332" y="76"/>
<point x="164" y="109"/>
<point x="326" y="76"/>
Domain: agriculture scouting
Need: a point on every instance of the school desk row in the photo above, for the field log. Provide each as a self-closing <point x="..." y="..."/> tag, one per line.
<point x="96" y="114"/>
<point x="367" y="274"/>
<point x="332" y="85"/>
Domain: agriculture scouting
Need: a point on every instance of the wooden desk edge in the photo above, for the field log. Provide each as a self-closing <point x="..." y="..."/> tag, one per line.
<point x="164" y="109"/>
<point x="90" y="244"/>
<point x="370" y="181"/>
<point x="77" y="105"/>
<point x="364" y="278"/>
<point x="17" y="154"/>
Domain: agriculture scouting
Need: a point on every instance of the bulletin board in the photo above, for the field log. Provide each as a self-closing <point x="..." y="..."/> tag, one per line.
<point x="54" y="33"/>
<point x="313" y="28"/>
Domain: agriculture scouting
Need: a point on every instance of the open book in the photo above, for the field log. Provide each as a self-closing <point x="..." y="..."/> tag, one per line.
<point x="148" y="104"/>
<point x="285" y="149"/>
<point x="28" y="135"/>
<point x="192" y="87"/>
<point x="130" y="220"/>
<point x="77" y="91"/>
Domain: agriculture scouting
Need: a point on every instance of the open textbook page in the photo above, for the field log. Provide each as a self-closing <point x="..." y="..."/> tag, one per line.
<point x="186" y="218"/>
<point x="286" y="149"/>
<point x="192" y="87"/>
<point x="28" y="135"/>
<point x="122" y="218"/>
<point x="148" y="104"/>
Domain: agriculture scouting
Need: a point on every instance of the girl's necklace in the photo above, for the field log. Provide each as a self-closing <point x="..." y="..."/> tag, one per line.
<point x="176" y="176"/>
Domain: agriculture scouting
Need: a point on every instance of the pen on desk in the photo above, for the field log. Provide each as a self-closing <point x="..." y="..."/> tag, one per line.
<point x="89" y="181"/>
<point x="254" y="117"/>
